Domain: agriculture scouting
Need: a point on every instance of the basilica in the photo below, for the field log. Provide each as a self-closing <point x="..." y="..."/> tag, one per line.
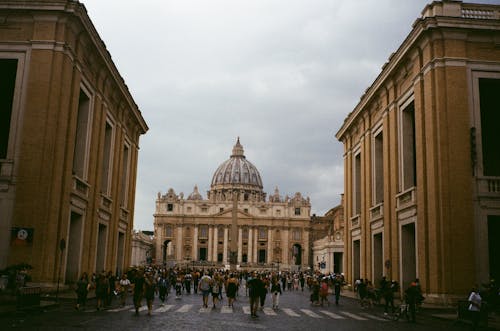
<point x="237" y="226"/>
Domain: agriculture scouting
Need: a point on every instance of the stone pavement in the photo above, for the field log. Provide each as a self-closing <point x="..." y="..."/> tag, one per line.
<point x="441" y="312"/>
<point x="8" y="305"/>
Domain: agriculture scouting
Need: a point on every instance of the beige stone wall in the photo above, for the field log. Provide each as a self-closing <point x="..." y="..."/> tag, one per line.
<point x="62" y="53"/>
<point x="433" y="69"/>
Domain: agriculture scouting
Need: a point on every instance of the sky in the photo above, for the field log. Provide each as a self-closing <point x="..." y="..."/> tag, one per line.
<point x="281" y="75"/>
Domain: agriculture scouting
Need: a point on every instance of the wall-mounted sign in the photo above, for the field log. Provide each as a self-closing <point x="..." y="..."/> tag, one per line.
<point x="21" y="236"/>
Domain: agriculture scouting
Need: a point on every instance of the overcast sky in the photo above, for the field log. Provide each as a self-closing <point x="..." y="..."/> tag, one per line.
<point x="281" y="75"/>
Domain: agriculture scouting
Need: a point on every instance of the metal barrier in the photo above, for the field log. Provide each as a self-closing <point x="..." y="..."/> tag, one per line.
<point x="28" y="297"/>
<point x="463" y="313"/>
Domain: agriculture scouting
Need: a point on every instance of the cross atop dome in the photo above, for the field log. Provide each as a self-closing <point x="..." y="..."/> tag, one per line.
<point x="238" y="149"/>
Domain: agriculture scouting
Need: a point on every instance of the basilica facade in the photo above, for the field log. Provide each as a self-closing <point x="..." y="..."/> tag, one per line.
<point x="236" y="225"/>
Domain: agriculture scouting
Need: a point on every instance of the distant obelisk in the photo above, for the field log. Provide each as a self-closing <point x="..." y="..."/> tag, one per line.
<point x="233" y="248"/>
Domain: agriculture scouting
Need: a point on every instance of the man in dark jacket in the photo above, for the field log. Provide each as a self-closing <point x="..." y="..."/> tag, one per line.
<point x="412" y="295"/>
<point x="255" y="288"/>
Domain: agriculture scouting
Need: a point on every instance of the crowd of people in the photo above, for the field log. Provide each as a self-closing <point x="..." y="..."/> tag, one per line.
<point x="146" y="283"/>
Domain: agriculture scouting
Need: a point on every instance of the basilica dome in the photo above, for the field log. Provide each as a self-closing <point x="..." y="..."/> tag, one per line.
<point x="237" y="172"/>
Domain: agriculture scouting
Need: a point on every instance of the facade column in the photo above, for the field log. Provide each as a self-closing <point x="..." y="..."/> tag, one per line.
<point x="195" y="244"/>
<point x="286" y="248"/>
<point x="249" y="246"/>
<point x="240" y="244"/>
<point x="256" y="245"/>
<point x="216" y="241"/>
<point x="269" y="245"/>
<point x="305" y="248"/>
<point x="226" y="244"/>
<point x="178" y="254"/>
<point x="210" y="243"/>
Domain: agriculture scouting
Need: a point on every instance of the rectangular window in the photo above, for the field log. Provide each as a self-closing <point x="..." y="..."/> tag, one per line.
<point x="262" y="234"/>
<point x="169" y="231"/>
<point x="82" y="135"/>
<point x="296" y="235"/>
<point x="8" y="69"/>
<point x="489" y="96"/>
<point x="245" y="234"/>
<point x="170" y="207"/>
<point x="408" y="149"/>
<point x="203" y="231"/>
<point x="106" y="159"/>
<point x="125" y="176"/>
<point x="378" y="168"/>
<point x="356" y="185"/>
<point x="204" y="209"/>
<point x="221" y="210"/>
<point x="297" y="211"/>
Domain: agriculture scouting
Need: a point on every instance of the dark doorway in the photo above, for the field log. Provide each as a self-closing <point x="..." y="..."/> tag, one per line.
<point x="262" y="256"/>
<point x="203" y="253"/>
<point x="378" y="263"/>
<point x="408" y="254"/>
<point x="337" y="263"/>
<point x="494" y="245"/>
<point x="356" y="259"/>
<point x="297" y="254"/>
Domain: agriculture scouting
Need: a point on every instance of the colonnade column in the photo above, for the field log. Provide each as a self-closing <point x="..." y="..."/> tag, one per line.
<point x="215" y="241"/>
<point x="210" y="243"/>
<point x="249" y="248"/>
<point x="269" y="245"/>
<point x="224" y="257"/>
<point x="305" y="249"/>
<point x="255" y="245"/>
<point x="240" y="244"/>
<point x="178" y="254"/>
<point x="195" y="244"/>
<point x="286" y="247"/>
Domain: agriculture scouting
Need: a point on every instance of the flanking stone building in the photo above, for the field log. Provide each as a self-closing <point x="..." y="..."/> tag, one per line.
<point x="236" y="216"/>
<point x="69" y="141"/>
<point x="421" y="157"/>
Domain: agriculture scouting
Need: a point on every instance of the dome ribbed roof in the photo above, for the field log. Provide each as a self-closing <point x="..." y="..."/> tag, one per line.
<point x="237" y="171"/>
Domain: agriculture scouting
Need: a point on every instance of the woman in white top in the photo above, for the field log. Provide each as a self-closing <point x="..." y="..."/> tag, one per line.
<point x="474" y="307"/>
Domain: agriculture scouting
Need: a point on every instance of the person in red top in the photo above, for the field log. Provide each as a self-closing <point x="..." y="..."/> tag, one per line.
<point x="323" y="292"/>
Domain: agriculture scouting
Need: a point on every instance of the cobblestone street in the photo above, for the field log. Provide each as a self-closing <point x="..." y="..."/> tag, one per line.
<point x="294" y="313"/>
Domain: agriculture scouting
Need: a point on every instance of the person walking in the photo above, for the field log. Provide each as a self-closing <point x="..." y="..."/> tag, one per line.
<point x="276" y="292"/>
<point x="231" y="290"/>
<point x="263" y="292"/>
<point x="111" y="288"/>
<point x="196" y="279"/>
<point x="124" y="286"/>
<point x="475" y="302"/>
<point x="323" y="292"/>
<point x="149" y="291"/>
<point x="163" y="286"/>
<point x="101" y="290"/>
<point x="138" y="290"/>
<point x="255" y="287"/>
<point x="204" y="287"/>
<point x="82" y="290"/>
<point x="216" y="289"/>
<point x="337" y="285"/>
<point x="411" y="294"/>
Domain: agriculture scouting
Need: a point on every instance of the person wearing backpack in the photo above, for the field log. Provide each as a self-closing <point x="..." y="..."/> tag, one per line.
<point x="163" y="286"/>
<point x="204" y="287"/>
